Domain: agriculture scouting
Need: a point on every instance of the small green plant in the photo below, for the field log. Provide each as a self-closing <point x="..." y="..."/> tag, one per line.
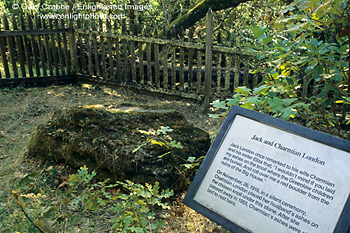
<point x="126" y="206"/>
<point x="193" y="162"/>
<point x="136" y="210"/>
<point x="160" y="137"/>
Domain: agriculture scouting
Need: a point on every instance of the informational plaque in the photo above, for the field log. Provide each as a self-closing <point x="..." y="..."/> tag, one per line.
<point x="263" y="174"/>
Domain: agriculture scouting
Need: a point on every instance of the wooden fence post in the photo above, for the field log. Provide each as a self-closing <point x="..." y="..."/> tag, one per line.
<point x="208" y="57"/>
<point x="72" y="44"/>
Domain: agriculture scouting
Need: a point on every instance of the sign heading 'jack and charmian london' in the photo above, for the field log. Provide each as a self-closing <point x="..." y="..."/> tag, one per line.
<point x="262" y="174"/>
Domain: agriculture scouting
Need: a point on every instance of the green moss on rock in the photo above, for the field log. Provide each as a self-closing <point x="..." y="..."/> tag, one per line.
<point x="103" y="140"/>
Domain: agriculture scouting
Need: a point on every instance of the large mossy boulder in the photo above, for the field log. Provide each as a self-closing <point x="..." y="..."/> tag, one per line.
<point x="122" y="144"/>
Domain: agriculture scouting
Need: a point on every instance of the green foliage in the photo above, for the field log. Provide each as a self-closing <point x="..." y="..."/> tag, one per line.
<point x="193" y="162"/>
<point x="135" y="210"/>
<point x="79" y="201"/>
<point x="263" y="99"/>
<point x="161" y="138"/>
<point x="304" y="63"/>
<point x="233" y="25"/>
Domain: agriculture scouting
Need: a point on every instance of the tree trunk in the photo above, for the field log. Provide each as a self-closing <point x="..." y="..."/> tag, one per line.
<point x="199" y="11"/>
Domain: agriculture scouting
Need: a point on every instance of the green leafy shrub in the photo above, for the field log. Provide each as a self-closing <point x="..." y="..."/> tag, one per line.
<point x="303" y="57"/>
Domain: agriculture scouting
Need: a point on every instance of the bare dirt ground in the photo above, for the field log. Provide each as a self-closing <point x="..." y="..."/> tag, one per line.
<point x="22" y="110"/>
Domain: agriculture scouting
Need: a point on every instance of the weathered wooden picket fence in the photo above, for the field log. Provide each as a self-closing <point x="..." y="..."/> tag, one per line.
<point x="121" y="52"/>
<point x="34" y="51"/>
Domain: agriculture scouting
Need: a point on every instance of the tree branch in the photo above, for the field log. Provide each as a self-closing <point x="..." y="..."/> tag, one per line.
<point x="223" y="20"/>
<point x="198" y="12"/>
<point x="15" y="194"/>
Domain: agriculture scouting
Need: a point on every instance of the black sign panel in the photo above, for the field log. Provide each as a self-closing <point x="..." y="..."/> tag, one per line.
<point x="263" y="174"/>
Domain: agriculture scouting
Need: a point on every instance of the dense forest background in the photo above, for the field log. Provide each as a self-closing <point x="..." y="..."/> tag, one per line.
<point x="301" y="53"/>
